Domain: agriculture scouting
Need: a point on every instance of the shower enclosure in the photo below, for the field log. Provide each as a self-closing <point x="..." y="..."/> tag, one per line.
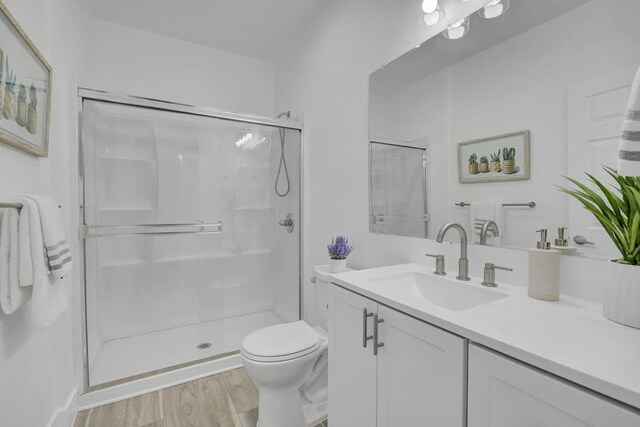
<point x="186" y="247"/>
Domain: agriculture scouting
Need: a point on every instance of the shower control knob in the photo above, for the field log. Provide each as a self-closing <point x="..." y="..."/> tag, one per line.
<point x="287" y="223"/>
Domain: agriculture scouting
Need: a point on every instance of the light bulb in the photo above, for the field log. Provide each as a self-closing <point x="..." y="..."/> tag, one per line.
<point x="429" y="6"/>
<point x="494" y="9"/>
<point x="457" y="30"/>
<point x="434" y="17"/>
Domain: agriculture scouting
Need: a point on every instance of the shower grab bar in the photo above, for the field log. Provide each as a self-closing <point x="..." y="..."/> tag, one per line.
<point x="90" y="231"/>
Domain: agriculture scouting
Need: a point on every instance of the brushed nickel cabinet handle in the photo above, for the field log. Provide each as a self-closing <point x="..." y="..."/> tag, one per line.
<point x="365" y="337"/>
<point x="376" y="343"/>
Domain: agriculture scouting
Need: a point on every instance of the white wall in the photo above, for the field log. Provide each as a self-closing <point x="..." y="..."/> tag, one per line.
<point x="136" y="62"/>
<point x="521" y="83"/>
<point x="326" y="76"/>
<point x="37" y="375"/>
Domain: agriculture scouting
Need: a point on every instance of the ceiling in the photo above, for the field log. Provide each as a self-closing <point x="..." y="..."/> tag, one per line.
<point x="256" y="28"/>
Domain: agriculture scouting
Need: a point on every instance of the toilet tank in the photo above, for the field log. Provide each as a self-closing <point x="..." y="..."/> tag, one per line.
<point x="322" y="278"/>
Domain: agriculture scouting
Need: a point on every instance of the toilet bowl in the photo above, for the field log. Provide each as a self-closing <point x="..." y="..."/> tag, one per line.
<point x="289" y="364"/>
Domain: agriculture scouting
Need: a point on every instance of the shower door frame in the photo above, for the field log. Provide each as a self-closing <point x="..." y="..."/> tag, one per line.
<point x="85" y="94"/>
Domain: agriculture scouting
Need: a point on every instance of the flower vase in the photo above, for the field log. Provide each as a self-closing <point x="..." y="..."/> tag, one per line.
<point x="338" y="265"/>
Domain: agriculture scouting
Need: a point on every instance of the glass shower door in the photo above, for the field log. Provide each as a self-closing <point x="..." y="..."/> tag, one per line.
<point x="183" y="252"/>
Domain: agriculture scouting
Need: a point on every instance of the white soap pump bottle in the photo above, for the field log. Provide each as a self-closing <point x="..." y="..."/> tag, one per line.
<point x="544" y="270"/>
<point x="562" y="243"/>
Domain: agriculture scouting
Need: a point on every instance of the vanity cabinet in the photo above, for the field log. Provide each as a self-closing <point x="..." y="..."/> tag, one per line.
<point x="507" y="393"/>
<point x="416" y="378"/>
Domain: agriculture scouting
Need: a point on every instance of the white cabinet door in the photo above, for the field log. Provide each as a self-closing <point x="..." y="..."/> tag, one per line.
<point x="421" y="373"/>
<point x="506" y="393"/>
<point x="352" y="367"/>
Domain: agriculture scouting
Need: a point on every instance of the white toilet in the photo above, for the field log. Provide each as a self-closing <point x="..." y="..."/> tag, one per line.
<point x="289" y="363"/>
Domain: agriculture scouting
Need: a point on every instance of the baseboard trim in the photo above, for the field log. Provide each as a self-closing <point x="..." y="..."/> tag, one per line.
<point x="65" y="416"/>
<point x="166" y="379"/>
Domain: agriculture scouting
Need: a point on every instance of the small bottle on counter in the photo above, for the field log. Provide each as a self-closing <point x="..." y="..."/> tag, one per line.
<point x="562" y="243"/>
<point x="544" y="270"/>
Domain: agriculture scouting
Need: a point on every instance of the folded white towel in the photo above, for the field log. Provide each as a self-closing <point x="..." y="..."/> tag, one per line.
<point x="629" y="146"/>
<point x="12" y="295"/>
<point x="26" y="263"/>
<point x="56" y="246"/>
<point x="49" y="297"/>
<point x="482" y="211"/>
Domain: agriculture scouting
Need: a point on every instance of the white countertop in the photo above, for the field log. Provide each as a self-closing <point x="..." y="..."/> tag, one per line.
<point x="569" y="338"/>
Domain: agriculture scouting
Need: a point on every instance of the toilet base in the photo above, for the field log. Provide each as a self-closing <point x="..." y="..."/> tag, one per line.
<point x="279" y="407"/>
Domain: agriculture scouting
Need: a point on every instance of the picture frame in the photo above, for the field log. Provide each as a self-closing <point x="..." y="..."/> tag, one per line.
<point x="497" y="158"/>
<point x="25" y="89"/>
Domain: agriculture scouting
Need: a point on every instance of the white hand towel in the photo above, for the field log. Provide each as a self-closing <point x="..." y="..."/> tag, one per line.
<point x="56" y="246"/>
<point x="629" y="146"/>
<point x="26" y="263"/>
<point x="12" y="296"/>
<point x="49" y="297"/>
<point x="482" y="211"/>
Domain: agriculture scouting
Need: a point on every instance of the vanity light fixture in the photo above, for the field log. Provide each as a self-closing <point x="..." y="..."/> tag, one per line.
<point x="494" y="9"/>
<point x="457" y="30"/>
<point x="432" y="12"/>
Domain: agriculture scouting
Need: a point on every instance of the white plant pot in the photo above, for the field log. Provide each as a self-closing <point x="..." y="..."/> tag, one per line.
<point x="338" y="265"/>
<point x="622" y="296"/>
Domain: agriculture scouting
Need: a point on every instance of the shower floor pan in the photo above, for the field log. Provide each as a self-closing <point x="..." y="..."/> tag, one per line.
<point x="132" y="356"/>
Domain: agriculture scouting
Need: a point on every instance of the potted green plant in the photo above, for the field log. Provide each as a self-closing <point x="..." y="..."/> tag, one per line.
<point x="10" y="101"/>
<point x="484" y="164"/>
<point x="473" y="164"/>
<point x="495" y="162"/>
<point x="32" y="116"/>
<point x="617" y="208"/>
<point x="508" y="160"/>
<point x="21" y="116"/>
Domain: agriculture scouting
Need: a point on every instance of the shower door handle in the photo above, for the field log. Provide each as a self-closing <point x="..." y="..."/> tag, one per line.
<point x="89" y="231"/>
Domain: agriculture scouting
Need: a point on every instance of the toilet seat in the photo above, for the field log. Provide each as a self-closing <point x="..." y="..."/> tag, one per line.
<point x="281" y="342"/>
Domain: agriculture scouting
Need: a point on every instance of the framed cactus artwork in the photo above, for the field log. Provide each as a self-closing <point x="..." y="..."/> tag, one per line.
<point x="496" y="158"/>
<point x="25" y="90"/>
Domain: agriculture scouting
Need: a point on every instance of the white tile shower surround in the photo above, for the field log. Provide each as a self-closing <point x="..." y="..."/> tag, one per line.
<point x="171" y="347"/>
<point x="569" y="338"/>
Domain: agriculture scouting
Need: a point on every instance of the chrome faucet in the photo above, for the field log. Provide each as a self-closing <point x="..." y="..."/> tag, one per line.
<point x="488" y="225"/>
<point x="463" y="262"/>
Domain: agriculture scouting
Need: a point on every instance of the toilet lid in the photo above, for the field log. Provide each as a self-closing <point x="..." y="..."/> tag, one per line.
<point x="287" y="339"/>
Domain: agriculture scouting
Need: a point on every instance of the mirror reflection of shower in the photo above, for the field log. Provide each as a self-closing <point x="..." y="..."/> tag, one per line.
<point x="283" y="160"/>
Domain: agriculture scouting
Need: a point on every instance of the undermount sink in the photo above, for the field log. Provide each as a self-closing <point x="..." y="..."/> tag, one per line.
<point x="444" y="292"/>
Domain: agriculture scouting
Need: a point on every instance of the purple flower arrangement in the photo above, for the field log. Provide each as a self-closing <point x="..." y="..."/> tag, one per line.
<point x="339" y="248"/>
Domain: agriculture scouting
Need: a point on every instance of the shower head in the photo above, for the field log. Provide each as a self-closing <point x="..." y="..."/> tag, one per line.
<point x="284" y="113"/>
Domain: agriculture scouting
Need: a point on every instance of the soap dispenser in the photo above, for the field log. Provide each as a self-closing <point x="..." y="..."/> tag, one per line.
<point x="544" y="270"/>
<point x="562" y="243"/>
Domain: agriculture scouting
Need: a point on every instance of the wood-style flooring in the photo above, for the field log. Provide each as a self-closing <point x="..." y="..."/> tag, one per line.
<point x="229" y="399"/>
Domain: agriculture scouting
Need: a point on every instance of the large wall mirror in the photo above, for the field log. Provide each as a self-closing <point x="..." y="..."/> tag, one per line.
<point x="506" y="111"/>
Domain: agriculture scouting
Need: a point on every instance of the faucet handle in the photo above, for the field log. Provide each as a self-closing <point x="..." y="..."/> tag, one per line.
<point x="440" y="270"/>
<point x="490" y="274"/>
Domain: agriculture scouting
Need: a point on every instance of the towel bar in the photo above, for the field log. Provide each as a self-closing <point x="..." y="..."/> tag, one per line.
<point x="524" y="205"/>
<point x="15" y="205"/>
